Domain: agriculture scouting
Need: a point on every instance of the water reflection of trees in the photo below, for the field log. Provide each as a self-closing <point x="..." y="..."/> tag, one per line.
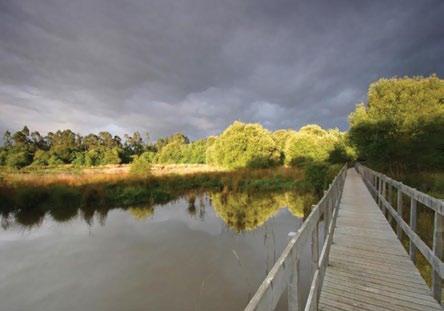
<point x="141" y="213"/>
<point x="34" y="217"/>
<point x="240" y="211"/>
<point x="247" y="211"/>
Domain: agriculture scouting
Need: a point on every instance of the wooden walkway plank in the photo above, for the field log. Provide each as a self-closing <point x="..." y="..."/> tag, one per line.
<point x="369" y="269"/>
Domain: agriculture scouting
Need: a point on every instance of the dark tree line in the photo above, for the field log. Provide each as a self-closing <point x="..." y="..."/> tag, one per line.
<point x="23" y="148"/>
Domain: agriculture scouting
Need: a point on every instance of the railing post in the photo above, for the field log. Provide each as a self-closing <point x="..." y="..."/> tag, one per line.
<point x="413" y="219"/>
<point x="326" y="216"/>
<point x="377" y="187"/>
<point x="294" y="300"/>
<point x="438" y="250"/>
<point x="390" y="200"/>
<point x="384" y="184"/>
<point x="399" y="209"/>
<point x="315" y="247"/>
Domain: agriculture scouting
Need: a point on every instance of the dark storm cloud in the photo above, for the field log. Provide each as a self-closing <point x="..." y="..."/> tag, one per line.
<point x="197" y="65"/>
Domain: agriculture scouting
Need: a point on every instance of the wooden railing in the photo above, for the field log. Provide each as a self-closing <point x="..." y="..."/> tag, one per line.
<point x="382" y="188"/>
<point x="286" y="271"/>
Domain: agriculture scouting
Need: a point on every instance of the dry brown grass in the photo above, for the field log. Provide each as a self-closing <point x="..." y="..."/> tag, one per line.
<point x="120" y="173"/>
<point x="101" y="174"/>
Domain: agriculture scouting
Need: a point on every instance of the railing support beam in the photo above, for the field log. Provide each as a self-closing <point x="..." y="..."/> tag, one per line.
<point x="438" y="250"/>
<point x="294" y="299"/>
<point x="399" y="209"/>
<point x="413" y="220"/>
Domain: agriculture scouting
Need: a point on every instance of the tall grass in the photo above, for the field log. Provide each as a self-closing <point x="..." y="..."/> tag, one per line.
<point x="58" y="191"/>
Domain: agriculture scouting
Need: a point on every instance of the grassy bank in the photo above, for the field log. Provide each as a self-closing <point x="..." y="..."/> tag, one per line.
<point x="20" y="191"/>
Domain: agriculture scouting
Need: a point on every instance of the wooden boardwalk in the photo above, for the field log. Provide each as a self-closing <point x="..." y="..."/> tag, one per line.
<point x="368" y="267"/>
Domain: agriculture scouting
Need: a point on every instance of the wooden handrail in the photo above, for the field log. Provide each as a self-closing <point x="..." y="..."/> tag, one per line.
<point x="285" y="272"/>
<point x="378" y="184"/>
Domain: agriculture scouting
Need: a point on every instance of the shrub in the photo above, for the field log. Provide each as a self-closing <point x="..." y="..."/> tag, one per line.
<point x="41" y="157"/>
<point x="171" y="153"/>
<point x="3" y="156"/>
<point x="111" y="156"/>
<point x="18" y="159"/>
<point x="310" y="144"/>
<point x="245" y="145"/>
<point x="141" y="165"/>
<point x="195" y="152"/>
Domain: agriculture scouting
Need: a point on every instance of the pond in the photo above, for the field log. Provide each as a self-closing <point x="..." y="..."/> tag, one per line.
<point x="201" y="252"/>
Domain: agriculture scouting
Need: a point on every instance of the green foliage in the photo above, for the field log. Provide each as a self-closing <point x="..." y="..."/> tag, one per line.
<point x="171" y="153"/>
<point x="310" y="144"/>
<point x="79" y="159"/>
<point x="342" y="152"/>
<point x="3" y="156"/>
<point x="141" y="165"/>
<point x="244" y="145"/>
<point x="41" y="157"/>
<point x="320" y="175"/>
<point x="55" y="160"/>
<point x="195" y="152"/>
<point x="281" y="137"/>
<point x="210" y="153"/>
<point x="18" y="159"/>
<point x="178" y="138"/>
<point x="402" y="126"/>
<point x="63" y="145"/>
<point x="111" y="156"/>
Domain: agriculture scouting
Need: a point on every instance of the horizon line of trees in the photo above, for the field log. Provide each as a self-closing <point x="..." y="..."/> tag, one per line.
<point x="259" y="147"/>
<point x="400" y="128"/>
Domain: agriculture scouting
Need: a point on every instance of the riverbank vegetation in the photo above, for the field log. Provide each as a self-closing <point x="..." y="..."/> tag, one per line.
<point x="399" y="132"/>
<point x="127" y="189"/>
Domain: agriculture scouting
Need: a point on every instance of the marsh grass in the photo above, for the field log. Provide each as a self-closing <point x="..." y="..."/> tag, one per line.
<point x="66" y="192"/>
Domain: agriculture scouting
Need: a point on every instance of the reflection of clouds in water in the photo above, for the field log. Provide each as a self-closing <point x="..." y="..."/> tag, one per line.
<point x="222" y="267"/>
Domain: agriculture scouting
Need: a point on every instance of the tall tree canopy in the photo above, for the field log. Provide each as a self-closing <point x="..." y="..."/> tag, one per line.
<point x="402" y="126"/>
<point x="245" y="145"/>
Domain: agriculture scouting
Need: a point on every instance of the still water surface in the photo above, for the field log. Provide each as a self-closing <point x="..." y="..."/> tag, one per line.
<point x="208" y="252"/>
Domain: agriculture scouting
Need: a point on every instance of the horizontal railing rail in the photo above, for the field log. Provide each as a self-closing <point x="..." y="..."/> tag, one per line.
<point x="382" y="186"/>
<point x="286" y="271"/>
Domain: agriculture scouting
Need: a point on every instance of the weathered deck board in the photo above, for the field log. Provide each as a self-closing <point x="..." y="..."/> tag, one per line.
<point x="369" y="269"/>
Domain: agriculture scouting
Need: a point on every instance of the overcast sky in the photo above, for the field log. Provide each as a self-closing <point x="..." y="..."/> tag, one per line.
<point x="197" y="65"/>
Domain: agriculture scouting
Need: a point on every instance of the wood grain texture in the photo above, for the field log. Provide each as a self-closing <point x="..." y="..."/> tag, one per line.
<point x="369" y="269"/>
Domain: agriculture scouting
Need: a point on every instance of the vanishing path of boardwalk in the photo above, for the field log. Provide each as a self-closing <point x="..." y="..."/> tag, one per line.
<point x="357" y="260"/>
<point x="368" y="267"/>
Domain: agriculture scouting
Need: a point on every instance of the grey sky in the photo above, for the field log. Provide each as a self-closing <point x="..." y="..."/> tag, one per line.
<point x="197" y="65"/>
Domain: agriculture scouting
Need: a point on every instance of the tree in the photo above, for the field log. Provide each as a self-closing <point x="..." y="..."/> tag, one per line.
<point x="171" y="153"/>
<point x="111" y="156"/>
<point x="310" y="144"/>
<point x="41" y="157"/>
<point x="245" y="145"/>
<point x="281" y="137"/>
<point x="133" y="144"/>
<point x="18" y="159"/>
<point x="63" y="145"/>
<point x="195" y="152"/>
<point x="175" y="138"/>
<point x="402" y="126"/>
